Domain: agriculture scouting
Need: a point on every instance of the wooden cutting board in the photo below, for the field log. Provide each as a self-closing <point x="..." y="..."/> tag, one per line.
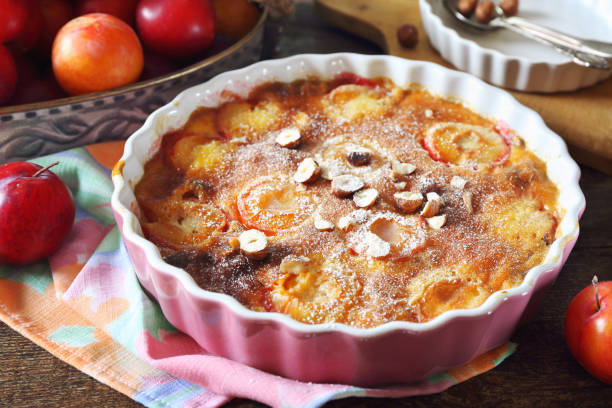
<point x="583" y="118"/>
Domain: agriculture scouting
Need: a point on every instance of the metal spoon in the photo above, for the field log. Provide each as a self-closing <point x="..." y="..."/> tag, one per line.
<point x="587" y="53"/>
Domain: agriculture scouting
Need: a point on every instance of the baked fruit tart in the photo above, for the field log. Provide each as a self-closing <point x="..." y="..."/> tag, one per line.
<point x="349" y="200"/>
<point x="347" y="227"/>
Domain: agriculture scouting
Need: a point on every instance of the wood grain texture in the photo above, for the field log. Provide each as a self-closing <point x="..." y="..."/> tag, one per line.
<point x="583" y="118"/>
<point x="541" y="373"/>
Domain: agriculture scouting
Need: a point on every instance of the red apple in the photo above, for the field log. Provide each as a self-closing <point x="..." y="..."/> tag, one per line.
<point x="8" y="75"/>
<point x="156" y="65"/>
<point x="55" y="13"/>
<point x="176" y="28"/>
<point x="28" y="37"/>
<point x="14" y="18"/>
<point x="123" y="9"/>
<point x="235" y="17"/>
<point x="37" y="89"/>
<point x="37" y="212"/>
<point x="588" y="329"/>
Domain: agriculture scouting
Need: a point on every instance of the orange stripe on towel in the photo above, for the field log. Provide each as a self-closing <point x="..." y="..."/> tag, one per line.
<point x="480" y="364"/>
<point x="107" y="154"/>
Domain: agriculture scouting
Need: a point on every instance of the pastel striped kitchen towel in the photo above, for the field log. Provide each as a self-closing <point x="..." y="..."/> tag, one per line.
<point x="85" y="306"/>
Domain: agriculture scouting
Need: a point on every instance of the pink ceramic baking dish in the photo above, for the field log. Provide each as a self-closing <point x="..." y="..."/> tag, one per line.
<point x="395" y="351"/>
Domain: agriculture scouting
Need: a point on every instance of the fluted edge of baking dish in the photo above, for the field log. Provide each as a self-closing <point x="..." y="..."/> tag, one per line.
<point x="395" y="351"/>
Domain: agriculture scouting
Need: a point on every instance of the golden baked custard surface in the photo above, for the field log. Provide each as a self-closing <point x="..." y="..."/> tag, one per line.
<point x="349" y="200"/>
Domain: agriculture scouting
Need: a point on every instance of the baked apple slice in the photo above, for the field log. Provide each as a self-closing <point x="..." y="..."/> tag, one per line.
<point x="466" y="145"/>
<point x="272" y="204"/>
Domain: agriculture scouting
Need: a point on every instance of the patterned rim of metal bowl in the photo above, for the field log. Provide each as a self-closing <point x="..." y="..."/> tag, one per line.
<point x="40" y="128"/>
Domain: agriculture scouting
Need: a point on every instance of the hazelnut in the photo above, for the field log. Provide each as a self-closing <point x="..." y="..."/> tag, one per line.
<point x="307" y="172"/>
<point x="400" y="185"/>
<point x="458" y="182"/>
<point x="509" y="7"/>
<point x="345" y="222"/>
<point x="485" y="11"/>
<point x="345" y="184"/>
<point x="253" y="244"/>
<point x="408" y="201"/>
<point x="467" y="201"/>
<point x="408" y="35"/>
<point x="466" y="7"/>
<point x="326" y="172"/>
<point x="294" y="264"/>
<point x="289" y="137"/>
<point x="359" y="157"/>
<point x="436" y="222"/>
<point x="432" y="206"/>
<point x="402" y="168"/>
<point x="365" y="198"/>
<point x="322" y="224"/>
<point x="433" y="196"/>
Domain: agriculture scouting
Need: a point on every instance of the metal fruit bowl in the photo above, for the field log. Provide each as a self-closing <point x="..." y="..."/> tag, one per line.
<point x="37" y="129"/>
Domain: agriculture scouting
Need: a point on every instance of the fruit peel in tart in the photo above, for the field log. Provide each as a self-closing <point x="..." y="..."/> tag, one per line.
<point x="272" y="204"/>
<point x="350" y="102"/>
<point x="466" y="145"/>
<point x="186" y="224"/>
<point x="391" y="352"/>
<point x="315" y="292"/>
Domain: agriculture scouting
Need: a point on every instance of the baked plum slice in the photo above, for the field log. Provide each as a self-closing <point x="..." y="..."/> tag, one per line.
<point x="466" y="145"/>
<point x="388" y="236"/>
<point x="249" y="120"/>
<point x="185" y="224"/>
<point x="272" y="204"/>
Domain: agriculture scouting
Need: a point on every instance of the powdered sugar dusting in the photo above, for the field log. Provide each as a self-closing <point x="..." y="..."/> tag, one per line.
<point x="365" y="266"/>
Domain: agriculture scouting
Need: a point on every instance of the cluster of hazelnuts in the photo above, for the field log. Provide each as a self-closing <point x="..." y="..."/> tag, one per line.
<point x="484" y="11"/>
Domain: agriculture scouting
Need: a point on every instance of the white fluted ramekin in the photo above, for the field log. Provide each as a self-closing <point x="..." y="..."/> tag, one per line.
<point x="395" y="351"/>
<point x="506" y="59"/>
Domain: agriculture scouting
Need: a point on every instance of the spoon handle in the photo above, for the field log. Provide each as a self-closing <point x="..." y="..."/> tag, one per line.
<point x="581" y="53"/>
<point x="595" y="47"/>
<point x="604" y="48"/>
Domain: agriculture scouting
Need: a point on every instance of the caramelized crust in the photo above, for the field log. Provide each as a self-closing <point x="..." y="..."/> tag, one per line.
<point x="327" y="259"/>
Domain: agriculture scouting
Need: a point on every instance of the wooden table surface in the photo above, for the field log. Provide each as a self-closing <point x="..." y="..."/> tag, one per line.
<point x="540" y="373"/>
